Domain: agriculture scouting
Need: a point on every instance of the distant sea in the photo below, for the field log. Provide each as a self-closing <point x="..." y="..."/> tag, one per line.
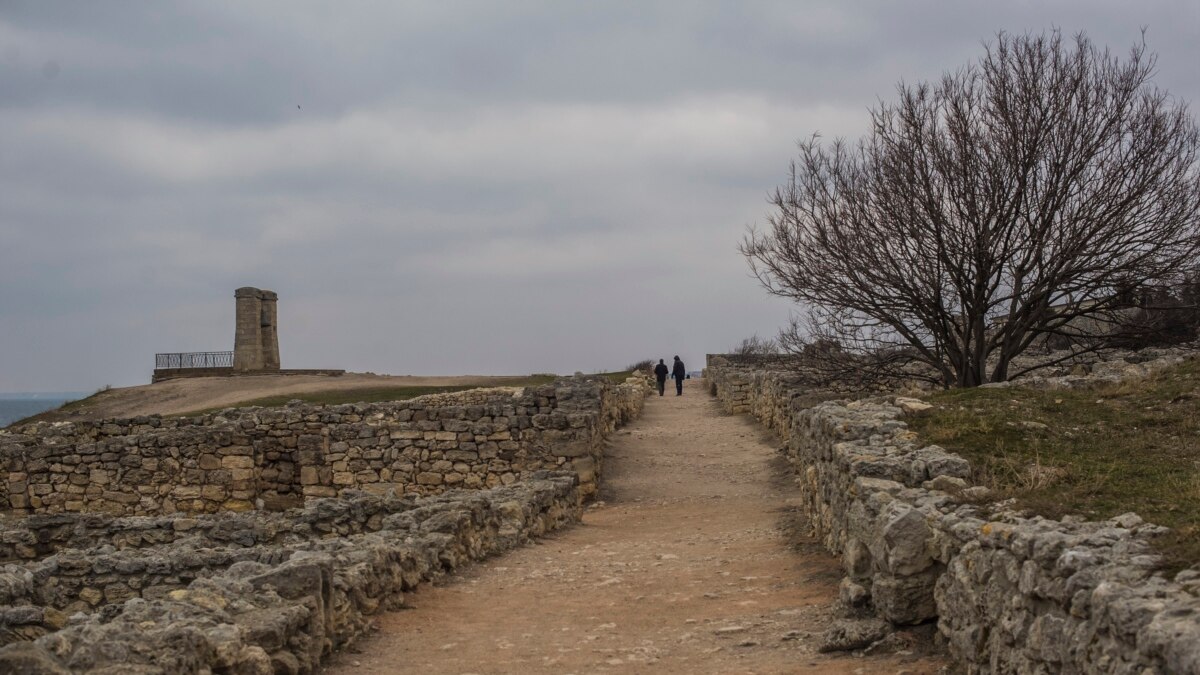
<point x="20" y="405"/>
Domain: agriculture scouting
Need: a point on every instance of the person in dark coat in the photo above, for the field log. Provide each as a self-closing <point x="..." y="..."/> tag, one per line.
<point x="679" y="372"/>
<point x="660" y="372"/>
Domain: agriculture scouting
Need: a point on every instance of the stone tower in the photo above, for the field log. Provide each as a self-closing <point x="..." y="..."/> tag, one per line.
<point x="256" y="340"/>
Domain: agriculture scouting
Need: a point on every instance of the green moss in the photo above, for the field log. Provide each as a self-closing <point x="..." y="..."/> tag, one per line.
<point x="1133" y="446"/>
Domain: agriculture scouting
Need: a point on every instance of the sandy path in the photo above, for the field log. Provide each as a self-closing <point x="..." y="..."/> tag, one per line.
<point x="684" y="567"/>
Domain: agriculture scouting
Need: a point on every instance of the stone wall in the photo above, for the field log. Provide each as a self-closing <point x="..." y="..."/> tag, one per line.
<point x="244" y="593"/>
<point x="918" y="543"/>
<point x="242" y="459"/>
<point x="111" y="563"/>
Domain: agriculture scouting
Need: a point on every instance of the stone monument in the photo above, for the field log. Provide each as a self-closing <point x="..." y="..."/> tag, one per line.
<point x="256" y="339"/>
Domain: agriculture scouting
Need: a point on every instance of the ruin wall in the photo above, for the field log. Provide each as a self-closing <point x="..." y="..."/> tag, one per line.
<point x="919" y="543"/>
<point x="247" y="593"/>
<point x="243" y="459"/>
<point x="154" y="584"/>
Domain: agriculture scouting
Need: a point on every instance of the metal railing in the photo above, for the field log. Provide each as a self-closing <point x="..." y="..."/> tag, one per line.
<point x="193" y="360"/>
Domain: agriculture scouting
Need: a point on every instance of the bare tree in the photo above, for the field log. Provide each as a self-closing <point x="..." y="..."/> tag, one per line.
<point x="1018" y="198"/>
<point x="756" y="345"/>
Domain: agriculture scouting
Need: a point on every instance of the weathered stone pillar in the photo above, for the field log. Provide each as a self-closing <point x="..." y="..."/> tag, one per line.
<point x="247" y="339"/>
<point x="270" y="334"/>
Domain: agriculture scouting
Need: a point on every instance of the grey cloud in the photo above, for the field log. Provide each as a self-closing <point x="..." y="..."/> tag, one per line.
<point x="466" y="187"/>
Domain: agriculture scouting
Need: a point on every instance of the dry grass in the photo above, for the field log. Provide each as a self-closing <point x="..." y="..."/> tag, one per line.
<point x="1133" y="446"/>
<point x="382" y="394"/>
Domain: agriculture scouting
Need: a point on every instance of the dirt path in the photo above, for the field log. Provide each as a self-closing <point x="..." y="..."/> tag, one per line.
<point x="684" y="567"/>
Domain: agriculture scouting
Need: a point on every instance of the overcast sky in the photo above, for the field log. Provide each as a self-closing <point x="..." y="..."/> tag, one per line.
<point x="438" y="187"/>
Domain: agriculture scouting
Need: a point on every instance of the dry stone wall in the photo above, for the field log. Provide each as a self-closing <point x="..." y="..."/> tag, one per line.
<point x="1011" y="594"/>
<point x="242" y="459"/>
<point x="245" y="593"/>
<point x="134" y="546"/>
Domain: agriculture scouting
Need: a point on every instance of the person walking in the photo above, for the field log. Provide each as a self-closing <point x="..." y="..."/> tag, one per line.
<point x="660" y="373"/>
<point x="679" y="372"/>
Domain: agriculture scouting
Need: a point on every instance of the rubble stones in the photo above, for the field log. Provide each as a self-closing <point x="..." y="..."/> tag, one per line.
<point x="850" y="634"/>
<point x="277" y="598"/>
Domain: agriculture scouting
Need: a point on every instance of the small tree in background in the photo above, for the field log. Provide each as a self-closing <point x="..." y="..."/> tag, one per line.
<point x="756" y="345"/>
<point x="1017" y="199"/>
<point x="646" y="365"/>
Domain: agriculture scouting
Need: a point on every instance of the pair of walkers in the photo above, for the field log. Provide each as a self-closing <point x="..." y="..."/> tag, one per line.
<point x="678" y="372"/>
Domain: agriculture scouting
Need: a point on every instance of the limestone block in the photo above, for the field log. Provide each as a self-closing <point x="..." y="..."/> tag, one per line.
<point x="92" y="596"/>
<point x="853" y="595"/>
<point x="573" y="449"/>
<point x="26" y="657"/>
<point x="851" y="634"/>
<point x="319" y="491"/>
<point x="213" y="492"/>
<point x="905" y="536"/>
<point x="905" y="600"/>
<point x="237" y="461"/>
<point x="912" y="405"/>
<point x="114" y="593"/>
<point x="585" y="467"/>
<point x="857" y="560"/>
<point x="944" y="483"/>
<point x="938" y="462"/>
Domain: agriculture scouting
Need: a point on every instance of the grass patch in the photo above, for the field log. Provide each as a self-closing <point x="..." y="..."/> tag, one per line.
<point x="366" y="395"/>
<point x="1132" y="446"/>
<point x="617" y="377"/>
<point x="384" y="394"/>
<point x="336" y="397"/>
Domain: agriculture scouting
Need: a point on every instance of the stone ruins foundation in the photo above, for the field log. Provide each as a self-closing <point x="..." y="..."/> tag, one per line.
<point x="1011" y="594"/>
<point x="260" y="540"/>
